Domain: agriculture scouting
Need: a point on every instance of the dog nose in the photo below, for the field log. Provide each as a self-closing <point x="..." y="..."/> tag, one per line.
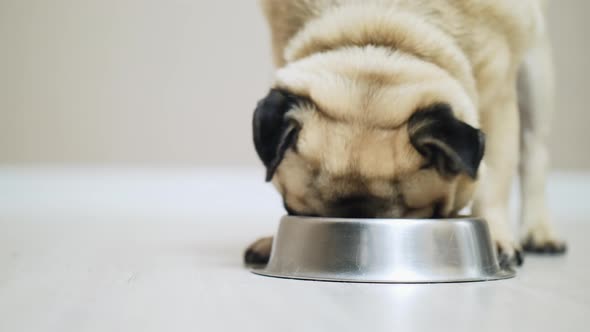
<point x="354" y="207"/>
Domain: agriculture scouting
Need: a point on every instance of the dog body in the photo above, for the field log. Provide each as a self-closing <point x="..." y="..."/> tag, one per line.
<point x="380" y="109"/>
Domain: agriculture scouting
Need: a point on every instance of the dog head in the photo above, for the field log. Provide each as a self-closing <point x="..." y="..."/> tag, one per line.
<point x="369" y="133"/>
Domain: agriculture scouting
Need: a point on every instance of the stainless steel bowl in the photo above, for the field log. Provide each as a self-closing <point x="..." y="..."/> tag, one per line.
<point x="384" y="250"/>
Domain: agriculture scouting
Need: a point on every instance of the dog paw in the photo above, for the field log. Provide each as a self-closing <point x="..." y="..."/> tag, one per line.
<point x="541" y="240"/>
<point x="509" y="255"/>
<point x="544" y="246"/>
<point x="258" y="253"/>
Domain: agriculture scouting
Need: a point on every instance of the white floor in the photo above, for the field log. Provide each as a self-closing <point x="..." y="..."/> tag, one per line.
<point x="147" y="250"/>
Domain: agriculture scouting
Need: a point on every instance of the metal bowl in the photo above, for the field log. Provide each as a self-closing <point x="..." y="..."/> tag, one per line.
<point x="384" y="250"/>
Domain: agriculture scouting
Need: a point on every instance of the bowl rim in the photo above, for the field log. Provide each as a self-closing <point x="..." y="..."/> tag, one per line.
<point x="381" y="220"/>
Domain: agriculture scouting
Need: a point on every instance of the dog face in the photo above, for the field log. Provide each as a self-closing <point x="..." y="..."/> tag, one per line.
<point x="368" y="134"/>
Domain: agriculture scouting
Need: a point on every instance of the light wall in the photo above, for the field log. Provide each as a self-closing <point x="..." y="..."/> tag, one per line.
<point x="174" y="82"/>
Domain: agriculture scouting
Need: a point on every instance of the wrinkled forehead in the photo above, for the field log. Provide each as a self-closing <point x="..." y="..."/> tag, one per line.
<point x="373" y="86"/>
<point x="351" y="149"/>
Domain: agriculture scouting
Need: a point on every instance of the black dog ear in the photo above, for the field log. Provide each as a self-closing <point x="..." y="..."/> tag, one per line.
<point x="274" y="133"/>
<point x="450" y="145"/>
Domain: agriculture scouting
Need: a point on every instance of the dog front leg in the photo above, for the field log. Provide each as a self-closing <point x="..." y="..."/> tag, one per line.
<point x="536" y="102"/>
<point x="500" y="123"/>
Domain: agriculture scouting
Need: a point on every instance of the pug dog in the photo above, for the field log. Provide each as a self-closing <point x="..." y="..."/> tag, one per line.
<point x="410" y="109"/>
